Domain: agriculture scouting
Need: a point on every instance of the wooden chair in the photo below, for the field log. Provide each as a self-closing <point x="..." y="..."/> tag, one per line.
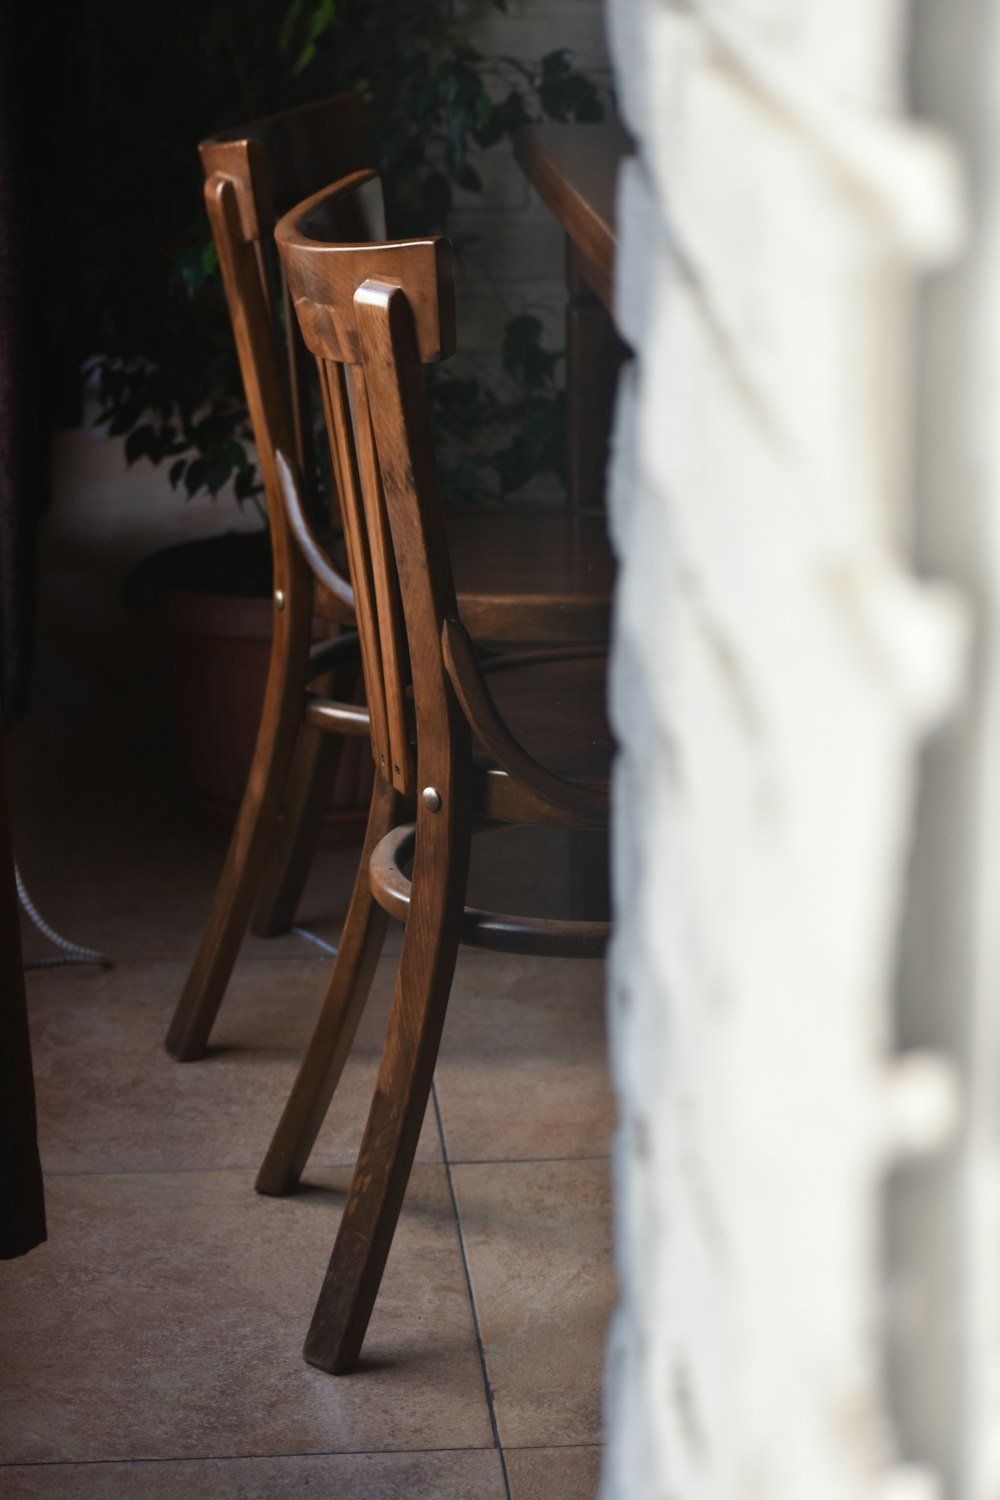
<point x="249" y="173"/>
<point x="525" y="573"/>
<point x="521" y="739"/>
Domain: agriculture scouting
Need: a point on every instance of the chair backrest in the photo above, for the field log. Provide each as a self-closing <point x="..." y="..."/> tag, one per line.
<point x="253" y="172"/>
<point x="281" y="159"/>
<point x="373" y="312"/>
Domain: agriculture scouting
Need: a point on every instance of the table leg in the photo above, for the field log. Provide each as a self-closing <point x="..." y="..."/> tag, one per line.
<point x="594" y="355"/>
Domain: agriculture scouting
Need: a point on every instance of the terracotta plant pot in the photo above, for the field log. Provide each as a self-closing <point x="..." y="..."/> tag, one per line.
<point x="209" y="604"/>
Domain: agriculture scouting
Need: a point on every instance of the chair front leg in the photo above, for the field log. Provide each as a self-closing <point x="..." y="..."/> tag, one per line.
<point x="420" y="1000"/>
<point x="350" y="981"/>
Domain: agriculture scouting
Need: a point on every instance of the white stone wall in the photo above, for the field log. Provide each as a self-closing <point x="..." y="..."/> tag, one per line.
<point x="777" y="665"/>
<point x="951" y="968"/>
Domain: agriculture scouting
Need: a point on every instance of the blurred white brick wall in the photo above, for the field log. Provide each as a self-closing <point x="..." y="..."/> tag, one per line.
<point x="777" y="665"/>
<point x="951" y="965"/>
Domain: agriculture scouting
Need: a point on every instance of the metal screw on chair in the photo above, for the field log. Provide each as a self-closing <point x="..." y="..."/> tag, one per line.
<point x="431" y="798"/>
<point x="279" y="598"/>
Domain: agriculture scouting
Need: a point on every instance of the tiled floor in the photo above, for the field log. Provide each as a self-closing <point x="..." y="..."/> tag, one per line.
<point x="152" y="1347"/>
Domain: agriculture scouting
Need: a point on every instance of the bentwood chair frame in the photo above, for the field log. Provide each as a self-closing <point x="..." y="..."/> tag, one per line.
<point x="525" y="573"/>
<point x="274" y="163"/>
<point x="250" y="172"/>
<point x="445" y="758"/>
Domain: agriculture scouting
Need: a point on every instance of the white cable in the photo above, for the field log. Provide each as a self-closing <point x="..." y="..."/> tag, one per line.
<point x="72" y="952"/>
<point x="311" y="937"/>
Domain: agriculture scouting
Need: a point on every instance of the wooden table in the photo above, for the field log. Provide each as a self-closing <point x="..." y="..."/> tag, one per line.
<point x="573" y="168"/>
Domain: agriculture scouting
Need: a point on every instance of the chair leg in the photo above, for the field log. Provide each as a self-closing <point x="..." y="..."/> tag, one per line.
<point x="291" y="855"/>
<point x="280" y="721"/>
<point x="423" y="984"/>
<point x="353" y="970"/>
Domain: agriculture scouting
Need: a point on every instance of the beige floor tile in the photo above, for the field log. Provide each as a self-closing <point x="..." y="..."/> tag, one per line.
<point x="538" y="1241"/>
<point x="110" y="1099"/>
<point x="165" y="1318"/>
<point x="523" y="1067"/>
<point x="553" y="1473"/>
<point x="356" y="1476"/>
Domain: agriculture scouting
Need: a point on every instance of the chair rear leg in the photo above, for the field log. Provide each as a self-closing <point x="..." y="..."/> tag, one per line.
<point x="353" y="970"/>
<point x="423" y="984"/>
<point x="279" y="727"/>
<point x="291" y="855"/>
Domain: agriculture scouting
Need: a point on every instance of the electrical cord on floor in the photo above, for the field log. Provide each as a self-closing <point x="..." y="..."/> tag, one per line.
<point x="71" y="953"/>
<point x="311" y="937"/>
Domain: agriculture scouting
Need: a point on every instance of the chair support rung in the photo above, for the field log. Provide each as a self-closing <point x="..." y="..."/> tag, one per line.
<point x="549" y="937"/>
<point x="343" y="718"/>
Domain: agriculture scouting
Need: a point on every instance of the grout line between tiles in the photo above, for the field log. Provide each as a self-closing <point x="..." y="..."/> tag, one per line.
<point x="327" y="1166"/>
<point x="472" y="1301"/>
<point x="551" y="1447"/>
<point x="238" y="1458"/>
<point x="244" y="1167"/>
<point x="522" y="1161"/>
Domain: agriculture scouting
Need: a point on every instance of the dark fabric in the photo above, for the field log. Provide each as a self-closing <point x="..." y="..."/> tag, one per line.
<point x="23" y="424"/>
<point x="22" y="1202"/>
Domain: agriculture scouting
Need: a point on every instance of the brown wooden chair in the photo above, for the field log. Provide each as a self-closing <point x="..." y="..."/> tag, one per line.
<point x="525" y="573"/>
<point x="521" y="739"/>
<point x="249" y="173"/>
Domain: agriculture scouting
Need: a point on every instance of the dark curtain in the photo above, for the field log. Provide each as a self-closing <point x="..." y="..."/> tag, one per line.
<point x="22" y="1203"/>
<point x="23" y="422"/>
<point x="23" y="483"/>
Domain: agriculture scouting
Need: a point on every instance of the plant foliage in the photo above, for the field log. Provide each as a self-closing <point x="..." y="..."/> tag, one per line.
<point x="148" y="293"/>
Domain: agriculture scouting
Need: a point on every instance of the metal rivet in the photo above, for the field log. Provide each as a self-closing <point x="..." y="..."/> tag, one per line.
<point x="431" y="798"/>
<point x="279" y="598"/>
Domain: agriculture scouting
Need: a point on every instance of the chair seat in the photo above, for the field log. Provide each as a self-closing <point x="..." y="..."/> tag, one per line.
<point x="531" y="572"/>
<point x="557" y="710"/>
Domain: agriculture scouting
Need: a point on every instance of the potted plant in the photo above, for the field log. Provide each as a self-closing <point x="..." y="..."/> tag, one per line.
<point x="147" y="294"/>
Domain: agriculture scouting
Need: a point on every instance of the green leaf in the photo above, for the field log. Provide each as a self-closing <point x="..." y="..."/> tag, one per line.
<point x="217" y="474"/>
<point x="319" y="16"/>
<point x="140" y="443"/>
<point x="246" y="483"/>
<point x="286" y="36"/>
<point x="194" y="478"/>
